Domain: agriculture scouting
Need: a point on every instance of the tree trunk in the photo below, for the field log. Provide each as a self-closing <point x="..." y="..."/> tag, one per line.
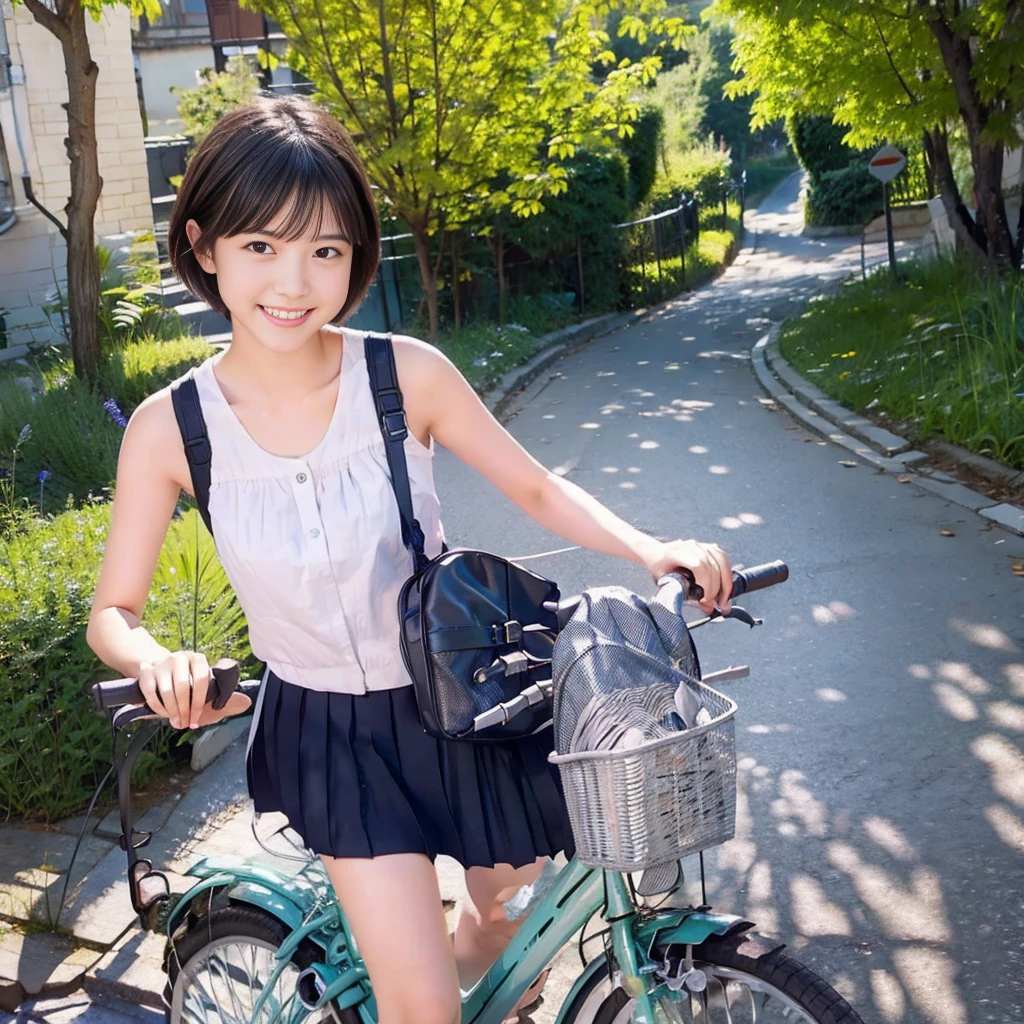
<point x="988" y="200"/>
<point x="428" y="275"/>
<point x="86" y="183"/>
<point x="67" y="23"/>
<point x="991" y="230"/>
<point x="456" y="304"/>
<point x="960" y="219"/>
<point x="499" y="260"/>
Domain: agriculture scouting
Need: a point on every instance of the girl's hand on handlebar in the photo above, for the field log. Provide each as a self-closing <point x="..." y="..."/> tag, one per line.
<point x="177" y="687"/>
<point x="708" y="564"/>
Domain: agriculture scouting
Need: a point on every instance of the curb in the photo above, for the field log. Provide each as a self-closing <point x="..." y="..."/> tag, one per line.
<point x="874" y="445"/>
<point x="551" y="348"/>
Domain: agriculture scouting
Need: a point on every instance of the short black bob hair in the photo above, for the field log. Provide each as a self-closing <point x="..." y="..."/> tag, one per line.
<point x="254" y="162"/>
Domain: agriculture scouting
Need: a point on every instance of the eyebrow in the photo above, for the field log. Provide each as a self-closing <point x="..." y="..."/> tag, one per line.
<point x="319" y="238"/>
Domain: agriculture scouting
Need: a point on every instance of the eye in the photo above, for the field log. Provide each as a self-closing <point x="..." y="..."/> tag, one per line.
<point x="327" y="252"/>
<point x="260" y="248"/>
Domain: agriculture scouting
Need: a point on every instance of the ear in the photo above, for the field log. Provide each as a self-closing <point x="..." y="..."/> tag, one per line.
<point x="204" y="260"/>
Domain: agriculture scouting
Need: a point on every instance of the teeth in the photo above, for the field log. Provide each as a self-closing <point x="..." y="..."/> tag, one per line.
<point x="284" y="315"/>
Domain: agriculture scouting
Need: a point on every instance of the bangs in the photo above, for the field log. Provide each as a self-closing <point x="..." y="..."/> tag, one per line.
<point x="281" y="162"/>
<point x="300" y="181"/>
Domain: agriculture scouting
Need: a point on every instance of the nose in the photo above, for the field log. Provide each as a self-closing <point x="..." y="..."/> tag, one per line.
<point x="291" y="280"/>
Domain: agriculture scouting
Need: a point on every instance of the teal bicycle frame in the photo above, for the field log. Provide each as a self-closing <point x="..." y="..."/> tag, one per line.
<point x="306" y="904"/>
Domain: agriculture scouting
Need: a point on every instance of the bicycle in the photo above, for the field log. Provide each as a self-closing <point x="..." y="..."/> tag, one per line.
<point x="248" y="944"/>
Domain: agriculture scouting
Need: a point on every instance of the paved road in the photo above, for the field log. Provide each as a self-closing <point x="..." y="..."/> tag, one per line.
<point x="881" y="824"/>
<point x="881" y="821"/>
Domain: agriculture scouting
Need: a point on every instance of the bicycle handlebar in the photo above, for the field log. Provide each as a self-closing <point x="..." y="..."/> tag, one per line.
<point x="115" y="693"/>
<point x="744" y="581"/>
<point x="673" y="589"/>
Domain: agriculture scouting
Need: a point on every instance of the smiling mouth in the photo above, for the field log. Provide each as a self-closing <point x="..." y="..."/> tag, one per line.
<point x="284" y="314"/>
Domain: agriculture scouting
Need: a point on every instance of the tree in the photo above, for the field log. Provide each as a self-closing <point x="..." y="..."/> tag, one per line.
<point x="216" y="93"/>
<point x="65" y="19"/>
<point x="464" y="108"/>
<point x="897" y="71"/>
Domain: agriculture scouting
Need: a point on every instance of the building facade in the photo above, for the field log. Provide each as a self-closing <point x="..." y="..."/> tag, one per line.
<point x="33" y="127"/>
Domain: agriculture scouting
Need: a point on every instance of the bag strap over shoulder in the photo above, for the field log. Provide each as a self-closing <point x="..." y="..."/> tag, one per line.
<point x="387" y="397"/>
<point x="192" y="426"/>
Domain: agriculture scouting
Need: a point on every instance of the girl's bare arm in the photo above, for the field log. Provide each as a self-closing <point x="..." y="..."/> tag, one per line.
<point x="441" y="404"/>
<point x="151" y="472"/>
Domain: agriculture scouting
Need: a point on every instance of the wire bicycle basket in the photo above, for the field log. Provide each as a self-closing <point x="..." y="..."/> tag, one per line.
<point x="646" y="751"/>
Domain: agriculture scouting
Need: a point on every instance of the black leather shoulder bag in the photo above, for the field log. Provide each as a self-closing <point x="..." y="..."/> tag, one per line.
<point x="474" y="628"/>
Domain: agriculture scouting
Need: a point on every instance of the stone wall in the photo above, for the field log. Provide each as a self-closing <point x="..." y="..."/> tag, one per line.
<point x="32" y="252"/>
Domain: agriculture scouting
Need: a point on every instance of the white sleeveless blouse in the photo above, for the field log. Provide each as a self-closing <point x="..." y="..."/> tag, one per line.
<point x="313" y="546"/>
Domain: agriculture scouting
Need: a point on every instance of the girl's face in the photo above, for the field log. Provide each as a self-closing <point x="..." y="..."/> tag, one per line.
<point x="280" y="293"/>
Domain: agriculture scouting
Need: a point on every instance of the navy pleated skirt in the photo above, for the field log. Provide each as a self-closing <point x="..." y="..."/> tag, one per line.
<point x="357" y="776"/>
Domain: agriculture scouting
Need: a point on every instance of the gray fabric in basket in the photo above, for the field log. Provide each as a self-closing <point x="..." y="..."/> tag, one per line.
<point x="623" y="672"/>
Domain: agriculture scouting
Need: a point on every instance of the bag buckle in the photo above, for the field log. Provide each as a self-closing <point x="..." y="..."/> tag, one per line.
<point x="198" y="451"/>
<point x="395" y="425"/>
<point x="507" y="633"/>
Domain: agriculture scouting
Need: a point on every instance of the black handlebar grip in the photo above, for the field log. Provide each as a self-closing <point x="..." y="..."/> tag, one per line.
<point x="117" y="692"/>
<point x="745" y="581"/>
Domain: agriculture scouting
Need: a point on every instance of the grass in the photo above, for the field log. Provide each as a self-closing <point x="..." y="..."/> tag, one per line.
<point x="940" y="355"/>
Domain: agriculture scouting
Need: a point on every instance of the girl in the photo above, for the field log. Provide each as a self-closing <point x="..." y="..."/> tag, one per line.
<point x="276" y="227"/>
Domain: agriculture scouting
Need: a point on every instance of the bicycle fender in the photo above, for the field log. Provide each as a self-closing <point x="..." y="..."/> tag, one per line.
<point x="289" y="898"/>
<point x="688" y="929"/>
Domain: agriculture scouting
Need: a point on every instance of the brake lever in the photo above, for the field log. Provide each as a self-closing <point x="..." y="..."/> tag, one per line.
<point x="735" y="612"/>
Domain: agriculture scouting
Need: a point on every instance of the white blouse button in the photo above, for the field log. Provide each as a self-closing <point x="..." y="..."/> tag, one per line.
<point x="301" y="477"/>
<point x="314" y="533"/>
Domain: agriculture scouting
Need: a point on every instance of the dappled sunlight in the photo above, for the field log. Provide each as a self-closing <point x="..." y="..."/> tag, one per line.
<point x="929" y="979"/>
<point x="1005" y="765"/>
<point x="890" y="1001"/>
<point x="984" y="635"/>
<point x="718" y="470"/>
<point x="795" y="801"/>
<point x="964" y="676"/>
<point x="649" y="445"/>
<point x="697" y="449"/>
<point x="813" y="912"/>
<point x="741" y="520"/>
<point x="955" y="702"/>
<point x="885" y="834"/>
<point x="1007" y="825"/>
<point x="831" y="613"/>
<point x="829" y="695"/>
<point x="1015" y="677"/>
<point x="1006" y="715"/>
<point x="722" y="354"/>
<point x="914" y="910"/>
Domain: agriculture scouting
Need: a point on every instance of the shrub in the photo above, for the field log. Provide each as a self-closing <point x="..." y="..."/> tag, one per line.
<point x="847" y="196"/>
<point x="595" y="201"/>
<point x="818" y="144"/>
<point x="53" y="748"/>
<point x="703" y="171"/>
<point x="642" y="149"/>
<point x="216" y="94"/>
<point x="74" y="438"/>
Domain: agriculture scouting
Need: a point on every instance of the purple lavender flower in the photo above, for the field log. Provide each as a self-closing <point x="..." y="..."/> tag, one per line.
<point x="114" y="412"/>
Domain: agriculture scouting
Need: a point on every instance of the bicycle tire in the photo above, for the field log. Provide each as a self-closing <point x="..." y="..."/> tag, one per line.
<point x="730" y="963"/>
<point x="240" y="927"/>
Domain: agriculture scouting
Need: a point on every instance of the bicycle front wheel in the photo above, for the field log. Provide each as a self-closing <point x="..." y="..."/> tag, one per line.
<point x="743" y="984"/>
<point x="219" y="970"/>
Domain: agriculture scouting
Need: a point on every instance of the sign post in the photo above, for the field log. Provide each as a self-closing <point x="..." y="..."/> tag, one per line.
<point x="885" y="165"/>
